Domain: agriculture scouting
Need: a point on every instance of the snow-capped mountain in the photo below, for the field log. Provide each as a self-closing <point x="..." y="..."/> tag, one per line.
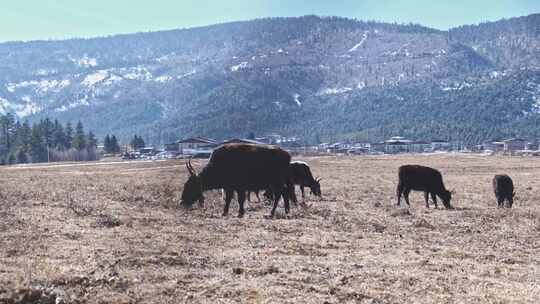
<point x="308" y="76"/>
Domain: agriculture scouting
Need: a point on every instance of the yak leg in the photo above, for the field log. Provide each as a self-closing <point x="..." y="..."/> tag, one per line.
<point x="510" y="201"/>
<point x="228" y="197"/>
<point x="241" y="200"/>
<point x="278" y="192"/>
<point x="276" y="197"/>
<point x="500" y="201"/>
<point x="257" y="196"/>
<point x="426" y="197"/>
<point x="434" y="198"/>
<point x="268" y="195"/>
<point x="303" y="195"/>
<point x="288" y="192"/>
<point x="399" y="191"/>
<point x="406" y="195"/>
<point x="201" y="202"/>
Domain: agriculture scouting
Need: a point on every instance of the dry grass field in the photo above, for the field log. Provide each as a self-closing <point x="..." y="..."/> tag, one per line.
<point x="113" y="233"/>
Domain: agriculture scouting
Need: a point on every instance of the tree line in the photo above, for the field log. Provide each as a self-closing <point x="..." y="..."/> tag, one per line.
<point x="46" y="140"/>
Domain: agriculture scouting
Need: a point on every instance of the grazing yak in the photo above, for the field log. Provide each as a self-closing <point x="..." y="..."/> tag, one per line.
<point x="240" y="168"/>
<point x="420" y="178"/>
<point x="300" y="175"/>
<point x="504" y="190"/>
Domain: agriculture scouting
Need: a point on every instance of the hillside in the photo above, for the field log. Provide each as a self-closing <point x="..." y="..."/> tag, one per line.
<point x="309" y="76"/>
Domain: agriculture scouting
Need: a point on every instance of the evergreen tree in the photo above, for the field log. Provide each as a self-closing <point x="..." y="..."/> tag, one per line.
<point x="115" y="147"/>
<point x="21" y="156"/>
<point x="47" y="131"/>
<point x="69" y="136"/>
<point x="38" y="150"/>
<point x="107" y="144"/>
<point x="137" y="142"/>
<point x="59" y="136"/>
<point x="79" y="139"/>
<point x="11" y="159"/>
<point x="92" y="141"/>
<point x="22" y="137"/>
<point x="7" y="123"/>
<point x="133" y="143"/>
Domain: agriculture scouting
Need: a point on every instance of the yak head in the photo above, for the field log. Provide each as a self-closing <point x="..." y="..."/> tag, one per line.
<point x="316" y="187"/>
<point x="446" y="196"/>
<point x="193" y="188"/>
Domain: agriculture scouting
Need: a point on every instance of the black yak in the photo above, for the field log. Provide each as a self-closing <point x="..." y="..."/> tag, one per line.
<point x="301" y="175"/>
<point x="420" y="178"/>
<point x="240" y="168"/>
<point x="504" y="190"/>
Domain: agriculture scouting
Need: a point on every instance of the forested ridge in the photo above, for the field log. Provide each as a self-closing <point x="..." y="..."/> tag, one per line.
<point x="317" y="78"/>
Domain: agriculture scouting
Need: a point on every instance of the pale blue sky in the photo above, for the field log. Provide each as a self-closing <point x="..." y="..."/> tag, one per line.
<point x="46" y="19"/>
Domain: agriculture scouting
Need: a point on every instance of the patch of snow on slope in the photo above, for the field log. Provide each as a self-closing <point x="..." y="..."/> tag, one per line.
<point x="457" y="86"/>
<point x="333" y="91"/>
<point x="81" y="102"/>
<point x="5" y="106"/>
<point x="45" y="72"/>
<point x="297" y="100"/>
<point x="41" y="86"/>
<point x="535" y="107"/>
<point x="359" y="44"/>
<point x="496" y="74"/>
<point x="138" y="73"/>
<point x="187" y="74"/>
<point x="240" y="66"/>
<point x="54" y="85"/>
<point x="27" y="109"/>
<point x="61" y="109"/>
<point x="85" y="61"/>
<point x="21" y="110"/>
<point x="92" y="79"/>
<point x="163" y="78"/>
<point x="112" y="79"/>
<point x="165" y="57"/>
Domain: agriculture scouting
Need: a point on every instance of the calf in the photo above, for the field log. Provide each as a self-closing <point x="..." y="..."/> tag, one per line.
<point x="301" y="175"/>
<point x="426" y="179"/>
<point x="504" y="190"/>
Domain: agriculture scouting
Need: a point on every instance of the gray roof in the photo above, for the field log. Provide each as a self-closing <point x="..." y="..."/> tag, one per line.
<point x="199" y="140"/>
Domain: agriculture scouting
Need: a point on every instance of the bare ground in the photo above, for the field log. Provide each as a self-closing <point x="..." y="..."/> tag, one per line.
<point x="113" y="233"/>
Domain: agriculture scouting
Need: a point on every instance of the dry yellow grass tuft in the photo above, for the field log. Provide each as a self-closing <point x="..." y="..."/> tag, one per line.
<point x="114" y="234"/>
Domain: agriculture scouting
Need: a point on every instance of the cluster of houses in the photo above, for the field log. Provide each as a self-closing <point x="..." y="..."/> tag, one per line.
<point x="398" y="144"/>
<point x="510" y="146"/>
<point x="394" y="145"/>
<point x="201" y="147"/>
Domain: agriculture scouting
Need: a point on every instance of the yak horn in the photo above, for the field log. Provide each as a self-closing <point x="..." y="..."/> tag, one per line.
<point x="190" y="168"/>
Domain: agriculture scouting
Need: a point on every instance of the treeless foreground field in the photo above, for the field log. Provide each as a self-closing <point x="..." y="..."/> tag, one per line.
<point x="113" y="233"/>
